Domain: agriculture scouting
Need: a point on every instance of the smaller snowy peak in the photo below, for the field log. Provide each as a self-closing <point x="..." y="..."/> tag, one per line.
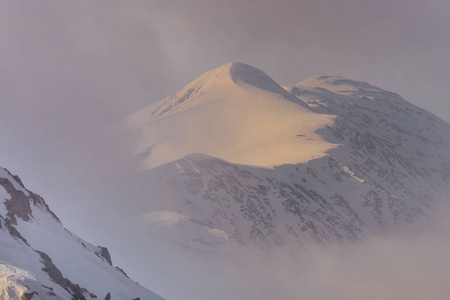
<point x="336" y="84"/>
<point x="335" y="94"/>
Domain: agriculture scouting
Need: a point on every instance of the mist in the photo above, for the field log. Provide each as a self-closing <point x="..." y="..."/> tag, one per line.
<point x="406" y="266"/>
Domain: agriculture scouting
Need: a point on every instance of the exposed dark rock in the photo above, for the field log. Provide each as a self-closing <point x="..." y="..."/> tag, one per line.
<point x="19" y="205"/>
<point x="122" y="271"/>
<point x="13" y="231"/>
<point x="28" y="296"/>
<point x="85" y="291"/>
<point x="56" y="275"/>
<point x="17" y="179"/>
<point x="108" y="296"/>
<point x="47" y="287"/>
<point x="104" y="253"/>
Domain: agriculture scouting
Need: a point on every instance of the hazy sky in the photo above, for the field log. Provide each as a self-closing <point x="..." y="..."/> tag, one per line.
<point x="68" y="68"/>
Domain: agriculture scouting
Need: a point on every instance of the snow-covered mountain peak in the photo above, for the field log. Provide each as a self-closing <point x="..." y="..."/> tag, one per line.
<point x="221" y="83"/>
<point x="235" y="112"/>
<point x="240" y="74"/>
<point x="358" y="161"/>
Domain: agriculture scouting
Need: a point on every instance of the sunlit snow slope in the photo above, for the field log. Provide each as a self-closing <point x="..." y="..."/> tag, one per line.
<point x="40" y="259"/>
<point x="235" y="112"/>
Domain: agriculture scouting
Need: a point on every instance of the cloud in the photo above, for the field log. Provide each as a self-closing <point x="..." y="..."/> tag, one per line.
<point x="412" y="268"/>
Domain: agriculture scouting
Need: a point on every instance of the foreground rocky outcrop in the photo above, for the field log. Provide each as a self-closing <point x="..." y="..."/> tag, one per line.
<point x="40" y="259"/>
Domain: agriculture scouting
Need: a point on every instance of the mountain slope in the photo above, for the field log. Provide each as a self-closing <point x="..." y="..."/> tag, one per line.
<point x="365" y="161"/>
<point x="393" y="145"/>
<point x="40" y="259"/>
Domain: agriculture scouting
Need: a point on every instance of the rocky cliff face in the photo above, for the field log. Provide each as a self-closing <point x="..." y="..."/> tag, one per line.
<point x="40" y="259"/>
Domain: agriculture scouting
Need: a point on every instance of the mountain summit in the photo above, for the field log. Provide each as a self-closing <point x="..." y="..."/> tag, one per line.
<point x="235" y="112"/>
<point x="344" y="160"/>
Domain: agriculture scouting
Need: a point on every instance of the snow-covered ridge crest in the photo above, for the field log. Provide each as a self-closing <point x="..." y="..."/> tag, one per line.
<point x="236" y="113"/>
<point x="222" y="80"/>
<point x="40" y="259"/>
